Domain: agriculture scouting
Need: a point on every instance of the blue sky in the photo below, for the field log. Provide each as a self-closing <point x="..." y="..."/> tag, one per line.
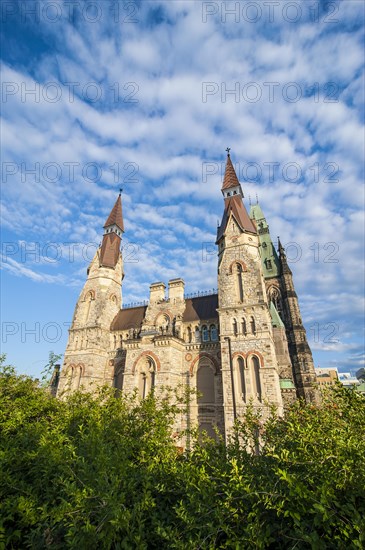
<point x="147" y="96"/>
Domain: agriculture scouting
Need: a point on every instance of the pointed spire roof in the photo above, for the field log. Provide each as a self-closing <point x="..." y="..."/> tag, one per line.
<point x="230" y="176"/>
<point x="116" y="215"/>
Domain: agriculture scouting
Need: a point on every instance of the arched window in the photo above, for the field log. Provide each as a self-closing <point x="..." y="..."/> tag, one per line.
<point x="197" y="334"/>
<point x="238" y="281"/>
<point x="205" y="384"/>
<point x="146" y="377"/>
<point x="255" y="377"/>
<point x="244" y="327"/>
<point x="253" y="325"/>
<point x="88" y="299"/>
<point x="235" y="327"/>
<point x="76" y="377"/>
<point x="189" y="335"/>
<point x="275" y="298"/>
<point x="241" y="376"/>
<point x="205" y="333"/>
<point x="213" y="333"/>
<point x="163" y="323"/>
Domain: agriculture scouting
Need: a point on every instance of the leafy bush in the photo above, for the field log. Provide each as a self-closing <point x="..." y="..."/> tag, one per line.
<point x="104" y="472"/>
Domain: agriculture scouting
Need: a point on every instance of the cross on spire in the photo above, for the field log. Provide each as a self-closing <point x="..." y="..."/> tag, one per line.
<point x="228" y="150"/>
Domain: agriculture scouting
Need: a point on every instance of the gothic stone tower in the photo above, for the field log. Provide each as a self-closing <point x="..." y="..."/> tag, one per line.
<point x="291" y="344"/>
<point x="300" y="352"/>
<point x="86" y="358"/>
<point x="249" y="362"/>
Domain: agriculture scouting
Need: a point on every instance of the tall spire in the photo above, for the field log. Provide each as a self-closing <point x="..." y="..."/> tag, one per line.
<point x="233" y="195"/>
<point x="230" y="177"/>
<point x="116" y="215"/>
<point x="114" y="229"/>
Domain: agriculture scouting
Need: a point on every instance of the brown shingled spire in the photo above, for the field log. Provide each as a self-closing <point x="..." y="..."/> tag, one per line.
<point x="233" y="202"/>
<point x="230" y="176"/>
<point x="114" y="227"/>
<point x="116" y="215"/>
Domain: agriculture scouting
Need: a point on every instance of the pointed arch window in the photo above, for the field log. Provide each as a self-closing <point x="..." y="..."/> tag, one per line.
<point x="255" y="377"/>
<point x="241" y="376"/>
<point x="213" y="333"/>
<point x="253" y="325"/>
<point x="146" y="377"/>
<point x="238" y="272"/>
<point x="76" y="374"/>
<point x="205" y="333"/>
<point x="244" y="327"/>
<point x="90" y="296"/>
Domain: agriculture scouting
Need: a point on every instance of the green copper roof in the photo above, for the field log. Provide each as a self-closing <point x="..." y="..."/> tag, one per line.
<point x="269" y="258"/>
<point x="275" y="317"/>
<point x="286" y="384"/>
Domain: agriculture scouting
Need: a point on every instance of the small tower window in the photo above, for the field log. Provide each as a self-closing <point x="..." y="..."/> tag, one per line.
<point x="255" y="377"/>
<point x="235" y="327"/>
<point x="239" y="283"/>
<point x="189" y="335"/>
<point x="244" y="327"/>
<point x="253" y="325"/>
<point x="241" y="374"/>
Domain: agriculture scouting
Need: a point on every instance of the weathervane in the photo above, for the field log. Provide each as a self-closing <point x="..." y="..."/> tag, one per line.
<point x="228" y="150"/>
<point x="120" y="191"/>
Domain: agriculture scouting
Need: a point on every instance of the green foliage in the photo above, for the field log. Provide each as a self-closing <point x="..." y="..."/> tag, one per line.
<point x="104" y="472"/>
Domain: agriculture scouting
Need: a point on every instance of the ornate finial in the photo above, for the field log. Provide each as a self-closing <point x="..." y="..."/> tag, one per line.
<point x="257" y="199"/>
<point x="228" y="150"/>
<point x="120" y="191"/>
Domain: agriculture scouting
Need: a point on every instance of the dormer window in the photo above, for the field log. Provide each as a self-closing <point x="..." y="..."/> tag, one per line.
<point x="264" y="245"/>
<point x="268" y="264"/>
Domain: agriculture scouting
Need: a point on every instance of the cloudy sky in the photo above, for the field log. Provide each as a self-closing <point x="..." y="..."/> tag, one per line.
<point x="146" y="96"/>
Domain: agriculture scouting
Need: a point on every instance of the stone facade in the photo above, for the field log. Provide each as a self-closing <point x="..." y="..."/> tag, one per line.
<point x="232" y="346"/>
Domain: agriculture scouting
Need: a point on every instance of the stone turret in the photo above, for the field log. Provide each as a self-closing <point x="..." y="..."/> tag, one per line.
<point x="86" y="358"/>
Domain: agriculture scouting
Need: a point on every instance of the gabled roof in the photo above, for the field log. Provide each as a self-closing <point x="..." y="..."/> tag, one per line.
<point x="235" y="206"/>
<point x="230" y="176"/>
<point x="116" y="215"/>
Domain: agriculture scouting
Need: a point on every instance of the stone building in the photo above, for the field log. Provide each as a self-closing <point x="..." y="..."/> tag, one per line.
<point x="244" y="344"/>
